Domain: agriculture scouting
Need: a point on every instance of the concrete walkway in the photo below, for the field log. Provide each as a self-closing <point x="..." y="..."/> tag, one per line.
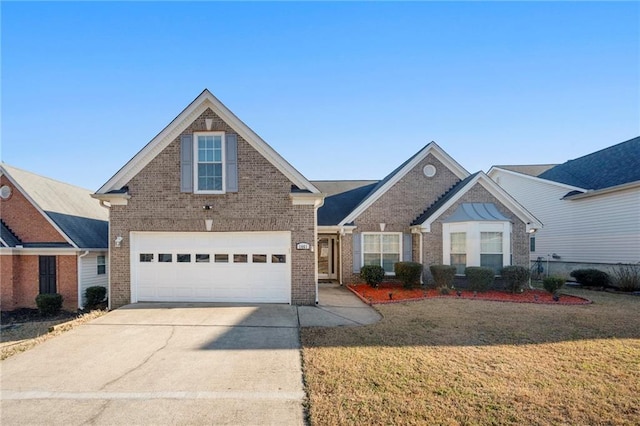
<point x="153" y="364"/>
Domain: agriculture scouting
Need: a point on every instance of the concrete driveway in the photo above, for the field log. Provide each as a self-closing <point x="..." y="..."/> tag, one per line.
<point x="163" y="364"/>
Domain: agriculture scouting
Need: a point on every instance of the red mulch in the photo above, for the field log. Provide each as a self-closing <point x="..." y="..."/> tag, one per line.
<point x="393" y="293"/>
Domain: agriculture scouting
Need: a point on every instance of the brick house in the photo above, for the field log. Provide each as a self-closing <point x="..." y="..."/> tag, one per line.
<point x="53" y="239"/>
<point x="208" y="211"/>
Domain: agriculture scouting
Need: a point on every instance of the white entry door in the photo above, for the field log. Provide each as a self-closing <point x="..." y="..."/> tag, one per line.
<point x="245" y="267"/>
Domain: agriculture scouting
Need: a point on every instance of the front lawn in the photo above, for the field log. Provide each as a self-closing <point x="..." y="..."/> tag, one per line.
<point x="456" y="361"/>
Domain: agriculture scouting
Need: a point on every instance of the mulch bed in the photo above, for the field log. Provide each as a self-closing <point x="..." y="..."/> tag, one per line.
<point x="394" y="293"/>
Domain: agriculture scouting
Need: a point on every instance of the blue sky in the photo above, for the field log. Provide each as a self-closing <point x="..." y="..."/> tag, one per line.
<point x="340" y="90"/>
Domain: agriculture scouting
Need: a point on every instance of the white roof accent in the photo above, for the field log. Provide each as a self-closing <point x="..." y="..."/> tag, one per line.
<point x="494" y="189"/>
<point x="181" y="122"/>
<point x="431" y="148"/>
<point x="495" y="169"/>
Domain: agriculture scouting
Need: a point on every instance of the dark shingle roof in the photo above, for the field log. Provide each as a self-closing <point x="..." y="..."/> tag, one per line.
<point x="336" y="207"/>
<point x="616" y="165"/>
<point x="443" y="199"/>
<point x="8" y="236"/>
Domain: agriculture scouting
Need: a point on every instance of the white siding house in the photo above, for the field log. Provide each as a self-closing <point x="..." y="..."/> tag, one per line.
<point x="594" y="225"/>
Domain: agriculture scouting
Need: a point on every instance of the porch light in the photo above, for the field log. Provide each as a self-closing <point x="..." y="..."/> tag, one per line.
<point x="119" y="240"/>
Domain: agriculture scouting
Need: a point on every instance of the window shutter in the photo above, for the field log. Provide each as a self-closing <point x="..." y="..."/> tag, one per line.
<point x="407" y="248"/>
<point x="232" y="162"/>
<point x="357" y="251"/>
<point x="186" y="163"/>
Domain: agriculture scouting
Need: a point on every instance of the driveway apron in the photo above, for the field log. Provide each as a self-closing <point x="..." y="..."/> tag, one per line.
<point x="163" y="364"/>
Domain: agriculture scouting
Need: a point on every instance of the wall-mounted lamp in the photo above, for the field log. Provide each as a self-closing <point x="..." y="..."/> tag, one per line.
<point x="207" y="207"/>
<point x="119" y="240"/>
<point x="531" y="231"/>
<point x="208" y="223"/>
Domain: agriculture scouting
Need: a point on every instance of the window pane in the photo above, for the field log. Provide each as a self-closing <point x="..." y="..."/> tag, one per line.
<point x="388" y="260"/>
<point x="458" y="242"/>
<point x="183" y="258"/>
<point x="491" y="242"/>
<point x="221" y="258"/>
<point x="532" y="244"/>
<point x="493" y="261"/>
<point x="202" y="258"/>
<point x="391" y="243"/>
<point x="371" y="243"/>
<point x="459" y="261"/>
<point x="278" y="258"/>
<point x="371" y="259"/>
<point x="165" y="257"/>
<point x="259" y="258"/>
<point x="239" y="258"/>
<point x="146" y="257"/>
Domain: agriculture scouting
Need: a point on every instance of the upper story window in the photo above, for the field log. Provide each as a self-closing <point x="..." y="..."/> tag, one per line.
<point x="381" y="249"/>
<point x="209" y="165"/>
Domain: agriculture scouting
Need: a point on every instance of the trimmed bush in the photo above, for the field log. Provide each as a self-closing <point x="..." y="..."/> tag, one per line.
<point x="591" y="277"/>
<point x="515" y="277"/>
<point x="409" y="273"/>
<point x="49" y="304"/>
<point x="479" y="278"/>
<point x="443" y="275"/>
<point x="553" y="284"/>
<point x="372" y="274"/>
<point x="94" y="296"/>
<point x="627" y="277"/>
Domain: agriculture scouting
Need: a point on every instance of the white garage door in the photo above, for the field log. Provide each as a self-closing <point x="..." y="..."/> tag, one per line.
<point x="211" y="267"/>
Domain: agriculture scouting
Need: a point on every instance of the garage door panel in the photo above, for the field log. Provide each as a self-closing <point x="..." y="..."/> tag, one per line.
<point x="263" y="281"/>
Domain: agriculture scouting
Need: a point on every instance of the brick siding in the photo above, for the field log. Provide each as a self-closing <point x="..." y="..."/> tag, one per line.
<point x="262" y="203"/>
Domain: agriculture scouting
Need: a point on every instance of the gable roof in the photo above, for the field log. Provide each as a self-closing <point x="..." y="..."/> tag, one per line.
<point x="528" y="169"/>
<point x="617" y="165"/>
<point x="392" y="178"/>
<point x="181" y="122"/>
<point x="70" y="209"/>
<point x="437" y="209"/>
<point x="344" y="197"/>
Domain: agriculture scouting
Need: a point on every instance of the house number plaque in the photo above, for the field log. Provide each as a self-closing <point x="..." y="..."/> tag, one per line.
<point x="303" y="246"/>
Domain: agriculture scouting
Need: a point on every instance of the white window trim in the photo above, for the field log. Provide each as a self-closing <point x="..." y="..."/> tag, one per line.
<point x="473" y="230"/>
<point x="399" y="234"/>
<point x="196" y="162"/>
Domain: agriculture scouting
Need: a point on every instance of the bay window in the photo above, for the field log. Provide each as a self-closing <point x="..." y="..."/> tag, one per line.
<point x="476" y="243"/>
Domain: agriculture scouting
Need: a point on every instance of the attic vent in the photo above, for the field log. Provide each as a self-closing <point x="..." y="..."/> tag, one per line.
<point x="5" y="192"/>
<point x="429" y="170"/>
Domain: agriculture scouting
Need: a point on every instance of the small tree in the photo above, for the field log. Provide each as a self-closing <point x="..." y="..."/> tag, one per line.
<point x="480" y="278"/>
<point x="515" y="277"/>
<point x="553" y="284"/>
<point x="443" y="275"/>
<point x="49" y="304"/>
<point x="409" y="273"/>
<point x="372" y="274"/>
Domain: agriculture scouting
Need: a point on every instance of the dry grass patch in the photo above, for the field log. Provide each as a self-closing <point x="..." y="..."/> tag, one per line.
<point x="472" y="362"/>
<point x="29" y="334"/>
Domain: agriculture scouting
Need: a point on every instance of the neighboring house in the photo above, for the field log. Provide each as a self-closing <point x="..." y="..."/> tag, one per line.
<point x="207" y="211"/>
<point x="53" y="239"/>
<point x="590" y="207"/>
<point x="429" y="210"/>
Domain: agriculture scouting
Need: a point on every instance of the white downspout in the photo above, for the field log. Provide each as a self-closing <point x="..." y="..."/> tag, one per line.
<point x="108" y="265"/>
<point x="86" y="252"/>
<point x="421" y="258"/>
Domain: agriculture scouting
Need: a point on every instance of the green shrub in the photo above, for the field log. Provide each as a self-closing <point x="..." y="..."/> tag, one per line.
<point x="480" y="278"/>
<point x="515" y="277"/>
<point x="409" y="273"/>
<point x="49" y="304"/>
<point x="94" y="295"/>
<point x="591" y="277"/>
<point x="553" y="284"/>
<point x="627" y="277"/>
<point x="443" y="275"/>
<point x="372" y="274"/>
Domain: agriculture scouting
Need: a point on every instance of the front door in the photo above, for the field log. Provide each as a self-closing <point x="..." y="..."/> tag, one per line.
<point x="47" y="274"/>
<point x="327" y="257"/>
